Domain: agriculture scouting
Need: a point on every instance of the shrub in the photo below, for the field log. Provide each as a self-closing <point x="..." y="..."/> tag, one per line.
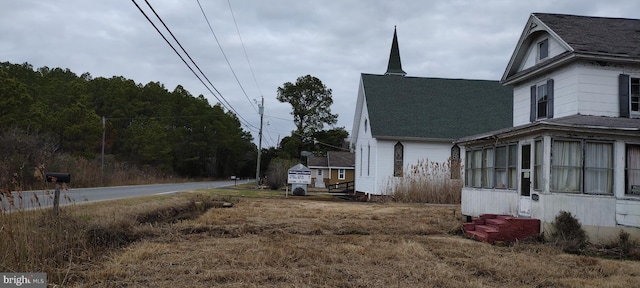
<point x="277" y="172"/>
<point x="568" y="233"/>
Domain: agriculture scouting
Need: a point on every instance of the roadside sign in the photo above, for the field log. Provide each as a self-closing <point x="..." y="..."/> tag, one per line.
<point x="299" y="174"/>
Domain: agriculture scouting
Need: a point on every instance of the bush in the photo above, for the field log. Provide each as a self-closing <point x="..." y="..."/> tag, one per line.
<point x="277" y="172"/>
<point x="568" y="233"/>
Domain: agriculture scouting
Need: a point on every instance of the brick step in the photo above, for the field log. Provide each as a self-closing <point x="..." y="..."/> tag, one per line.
<point x="492" y="228"/>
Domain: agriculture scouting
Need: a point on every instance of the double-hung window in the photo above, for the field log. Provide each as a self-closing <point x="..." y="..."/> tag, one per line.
<point x="629" y="96"/>
<point x="542" y="101"/>
<point x="341" y="174"/>
<point x="635" y="96"/>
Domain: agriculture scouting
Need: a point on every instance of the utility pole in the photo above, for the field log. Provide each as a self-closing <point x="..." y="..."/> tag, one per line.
<point x="261" y="111"/>
<point x="104" y="121"/>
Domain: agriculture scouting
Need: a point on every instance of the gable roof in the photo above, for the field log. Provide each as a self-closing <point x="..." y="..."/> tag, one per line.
<point x="395" y="65"/>
<point x="334" y="159"/>
<point x="435" y="108"/>
<point x="598" y="35"/>
<point x="598" y="38"/>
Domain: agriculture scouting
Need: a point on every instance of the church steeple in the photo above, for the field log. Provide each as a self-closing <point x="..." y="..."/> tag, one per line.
<point x="395" y="66"/>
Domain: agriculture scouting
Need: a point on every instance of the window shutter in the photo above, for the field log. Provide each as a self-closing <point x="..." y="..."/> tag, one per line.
<point x="550" y="98"/>
<point x="532" y="115"/>
<point x="623" y="98"/>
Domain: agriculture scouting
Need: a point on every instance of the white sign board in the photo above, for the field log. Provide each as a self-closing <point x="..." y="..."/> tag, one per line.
<point x="299" y="177"/>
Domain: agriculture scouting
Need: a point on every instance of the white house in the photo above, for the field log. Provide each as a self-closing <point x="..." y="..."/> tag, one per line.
<point x="575" y="141"/>
<point x="401" y="120"/>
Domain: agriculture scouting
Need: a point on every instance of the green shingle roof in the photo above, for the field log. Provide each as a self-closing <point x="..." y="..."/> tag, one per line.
<point x="435" y="108"/>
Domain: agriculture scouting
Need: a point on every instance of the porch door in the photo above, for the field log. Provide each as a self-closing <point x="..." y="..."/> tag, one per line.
<point x="524" y="207"/>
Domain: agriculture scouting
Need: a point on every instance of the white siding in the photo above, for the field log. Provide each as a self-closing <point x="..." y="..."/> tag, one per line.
<point x="565" y="95"/>
<point x="628" y="212"/>
<point x="580" y="88"/>
<point x="477" y="201"/>
<point x="365" y="147"/>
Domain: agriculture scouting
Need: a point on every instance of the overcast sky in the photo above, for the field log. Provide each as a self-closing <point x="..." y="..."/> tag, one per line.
<point x="334" y="40"/>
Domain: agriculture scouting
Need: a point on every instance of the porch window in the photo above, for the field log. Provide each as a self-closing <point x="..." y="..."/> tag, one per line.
<point x="513" y="166"/>
<point x="632" y="176"/>
<point x="573" y="159"/>
<point x="476" y="166"/>
<point x="566" y="168"/>
<point x="492" y="167"/>
<point x="598" y="168"/>
<point x="398" y="154"/>
<point x="488" y="168"/>
<point x="501" y="167"/>
<point x="467" y="168"/>
<point x="537" y="166"/>
<point x="341" y="174"/>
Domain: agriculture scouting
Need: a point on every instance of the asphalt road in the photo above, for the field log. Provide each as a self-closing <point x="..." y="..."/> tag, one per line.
<point x="80" y="195"/>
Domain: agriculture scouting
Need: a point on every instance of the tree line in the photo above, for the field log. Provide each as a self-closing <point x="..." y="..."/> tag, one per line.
<point x="55" y="120"/>
<point x="52" y="111"/>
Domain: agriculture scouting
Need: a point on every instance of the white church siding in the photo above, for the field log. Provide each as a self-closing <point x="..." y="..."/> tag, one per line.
<point x="434" y="151"/>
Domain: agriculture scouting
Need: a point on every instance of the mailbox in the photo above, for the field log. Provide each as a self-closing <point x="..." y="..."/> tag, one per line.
<point x="58" y="177"/>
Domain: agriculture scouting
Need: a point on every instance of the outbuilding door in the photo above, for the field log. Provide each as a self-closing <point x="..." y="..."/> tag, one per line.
<point x="524" y="207"/>
<point x="319" y="181"/>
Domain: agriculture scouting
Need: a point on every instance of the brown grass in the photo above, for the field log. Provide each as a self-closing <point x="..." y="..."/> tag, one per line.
<point x="313" y="241"/>
<point x="427" y="182"/>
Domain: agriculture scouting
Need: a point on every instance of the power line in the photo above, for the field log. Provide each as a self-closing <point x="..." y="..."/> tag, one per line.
<point x="243" y="48"/>
<point x="185" y="52"/>
<point x="228" y="106"/>
<point x="225" y="55"/>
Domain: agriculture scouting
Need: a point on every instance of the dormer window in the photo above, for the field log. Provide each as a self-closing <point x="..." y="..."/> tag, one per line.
<point x="543" y="49"/>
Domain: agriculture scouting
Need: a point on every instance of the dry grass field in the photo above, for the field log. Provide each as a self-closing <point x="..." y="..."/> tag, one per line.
<point x="315" y="241"/>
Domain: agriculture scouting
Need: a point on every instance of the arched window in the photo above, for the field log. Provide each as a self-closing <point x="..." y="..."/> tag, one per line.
<point x="398" y="156"/>
<point x="455" y="162"/>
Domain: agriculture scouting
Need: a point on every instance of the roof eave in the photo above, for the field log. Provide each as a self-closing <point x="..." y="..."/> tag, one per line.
<point x="418" y="139"/>
<point x="608" y="57"/>
<point x="541" y="126"/>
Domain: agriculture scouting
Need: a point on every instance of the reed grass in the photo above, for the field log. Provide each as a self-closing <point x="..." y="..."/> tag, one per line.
<point x="426" y="182"/>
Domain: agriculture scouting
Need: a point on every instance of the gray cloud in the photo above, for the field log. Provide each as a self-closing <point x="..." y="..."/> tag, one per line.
<point x="332" y="40"/>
